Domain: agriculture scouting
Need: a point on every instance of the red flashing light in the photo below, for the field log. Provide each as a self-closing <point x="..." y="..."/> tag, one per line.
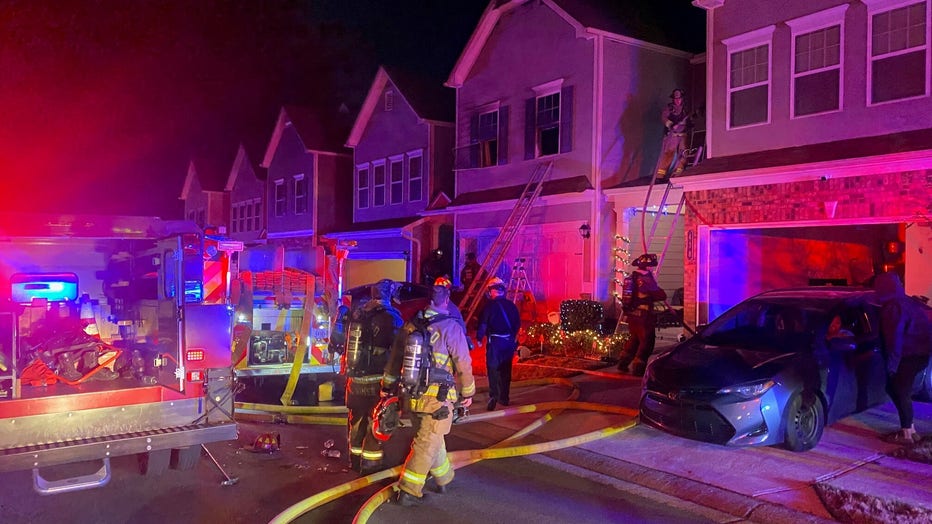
<point x="893" y="247"/>
<point x="195" y="376"/>
<point x="194" y="355"/>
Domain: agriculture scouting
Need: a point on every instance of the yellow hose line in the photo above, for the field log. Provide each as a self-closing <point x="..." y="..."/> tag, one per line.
<point x="278" y="418"/>
<point x="458" y="458"/>
<point x="302" y="410"/>
<point x="467" y="457"/>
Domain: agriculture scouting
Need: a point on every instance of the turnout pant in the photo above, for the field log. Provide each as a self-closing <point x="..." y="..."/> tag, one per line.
<point x="499" y="354"/>
<point x="643" y="327"/>
<point x="674" y="147"/>
<point x="428" y="453"/>
<point x="365" y="450"/>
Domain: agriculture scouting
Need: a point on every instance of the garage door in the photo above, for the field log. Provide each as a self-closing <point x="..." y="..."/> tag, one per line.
<point x="744" y="262"/>
<point x="365" y="271"/>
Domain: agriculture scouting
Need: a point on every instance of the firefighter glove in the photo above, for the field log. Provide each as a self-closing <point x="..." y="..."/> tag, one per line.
<point x="441" y="414"/>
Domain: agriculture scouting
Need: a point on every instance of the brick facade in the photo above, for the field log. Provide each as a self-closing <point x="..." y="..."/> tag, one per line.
<point x="884" y="198"/>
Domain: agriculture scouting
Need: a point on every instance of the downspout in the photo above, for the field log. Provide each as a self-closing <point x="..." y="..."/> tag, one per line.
<point x="598" y="293"/>
<point x="415" y="252"/>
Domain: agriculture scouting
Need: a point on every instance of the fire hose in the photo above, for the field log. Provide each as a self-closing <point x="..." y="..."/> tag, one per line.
<point x="463" y="458"/>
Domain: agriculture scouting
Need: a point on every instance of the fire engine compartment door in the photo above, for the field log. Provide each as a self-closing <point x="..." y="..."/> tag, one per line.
<point x="182" y="260"/>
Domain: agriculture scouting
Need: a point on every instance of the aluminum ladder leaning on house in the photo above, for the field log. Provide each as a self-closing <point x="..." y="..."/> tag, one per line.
<point x="648" y="238"/>
<point x="499" y="248"/>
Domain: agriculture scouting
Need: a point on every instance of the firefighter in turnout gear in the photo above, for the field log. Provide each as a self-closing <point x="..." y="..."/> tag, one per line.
<point x="369" y="337"/>
<point x="499" y="323"/>
<point x="430" y="362"/>
<point x="639" y="292"/>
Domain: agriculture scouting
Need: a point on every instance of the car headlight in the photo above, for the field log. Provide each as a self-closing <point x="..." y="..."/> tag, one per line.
<point x="749" y="391"/>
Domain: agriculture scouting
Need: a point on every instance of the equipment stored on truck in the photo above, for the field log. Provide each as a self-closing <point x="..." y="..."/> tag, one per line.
<point x="108" y="346"/>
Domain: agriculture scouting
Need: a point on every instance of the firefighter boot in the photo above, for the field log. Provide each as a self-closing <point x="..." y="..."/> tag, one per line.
<point x="368" y="467"/>
<point x="623" y="362"/>
<point x="637" y="367"/>
<point x="403" y="498"/>
<point x="67" y="367"/>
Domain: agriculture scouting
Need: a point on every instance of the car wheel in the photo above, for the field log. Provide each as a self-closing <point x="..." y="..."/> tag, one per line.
<point x="804" y="420"/>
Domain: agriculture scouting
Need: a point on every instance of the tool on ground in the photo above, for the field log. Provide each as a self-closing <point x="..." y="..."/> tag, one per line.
<point x="229" y="480"/>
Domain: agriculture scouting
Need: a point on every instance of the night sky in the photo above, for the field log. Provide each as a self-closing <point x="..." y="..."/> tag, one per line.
<point x="104" y="101"/>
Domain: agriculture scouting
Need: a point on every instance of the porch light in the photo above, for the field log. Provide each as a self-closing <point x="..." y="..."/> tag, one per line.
<point x="585" y="231"/>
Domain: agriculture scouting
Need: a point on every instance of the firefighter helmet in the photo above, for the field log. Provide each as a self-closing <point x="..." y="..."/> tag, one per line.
<point x="385" y="417"/>
<point x="494" y="283"/>
<point x="646" y="260"/>
<point x="443" y="281"/>
<point x="383" y="289"/>
<point x="267" y="443"/>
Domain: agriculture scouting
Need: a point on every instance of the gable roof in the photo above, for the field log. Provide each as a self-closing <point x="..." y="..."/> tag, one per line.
<point x="670" y="25"/>
<point x="209" y="171"/>
<point x="320" y="130"/>
<point x="429" y="99"/>
<point x="242" y="159"/>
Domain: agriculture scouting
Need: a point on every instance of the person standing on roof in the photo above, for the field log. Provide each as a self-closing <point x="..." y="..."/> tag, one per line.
<point x="676" y="121"/>
<point x="906" y="336"/>
<point x="499" y="322"/>
<point x="431" y="362"/>
<point x="369" y="338"/>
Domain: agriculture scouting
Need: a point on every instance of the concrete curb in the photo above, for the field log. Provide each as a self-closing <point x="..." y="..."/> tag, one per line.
<point x="736" y="504"/>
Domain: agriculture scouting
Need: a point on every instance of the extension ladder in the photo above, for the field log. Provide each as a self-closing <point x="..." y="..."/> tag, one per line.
<point x="496" y="252"/>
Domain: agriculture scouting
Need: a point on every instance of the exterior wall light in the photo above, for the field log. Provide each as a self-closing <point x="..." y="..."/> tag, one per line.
<point x="585" y="231"/>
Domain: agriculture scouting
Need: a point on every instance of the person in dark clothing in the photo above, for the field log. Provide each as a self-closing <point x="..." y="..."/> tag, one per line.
<point x="639" y="292"/>
<point x="906" y="336"/>
<point x="434" y="267"/>
<point x="369" y="338"/>
<point x="499" y="322"/>
<point x="470" y="270"/>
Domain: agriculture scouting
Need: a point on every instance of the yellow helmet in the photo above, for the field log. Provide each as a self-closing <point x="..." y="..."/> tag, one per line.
<point x="495" y="282"/>
<point x="443" y="281"/>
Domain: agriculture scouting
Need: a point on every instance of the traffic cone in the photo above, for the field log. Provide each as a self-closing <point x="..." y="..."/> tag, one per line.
<point x="89" y="319"/>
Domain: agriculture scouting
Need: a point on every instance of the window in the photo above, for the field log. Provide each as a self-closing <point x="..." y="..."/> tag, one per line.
<point x="248" y="213"/>
<point x="234" y="217"/>
<point x="487" y="134"/>
<point x="362" y="187"/>
<point x="378" y="184"/>
<point x="415" y="177"/>
<point x="300" y="195"/>
<point x="389" y="100"/>
<point x="397" y="175"/>
<point x="749" y="78"/>
<point x="548" y="125"/>
<point x="257" y="214"/>
<point x="280" y="198"/>
<point x="898" y="51"/>
<point x="817" y="61"/>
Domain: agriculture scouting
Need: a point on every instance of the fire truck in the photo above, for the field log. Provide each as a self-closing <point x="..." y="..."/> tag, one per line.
<point x="107" y="347"/>
<point x="282" y="324"/>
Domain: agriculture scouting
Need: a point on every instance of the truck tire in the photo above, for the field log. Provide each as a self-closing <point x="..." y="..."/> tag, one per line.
<point x="185" y="459"/>
<point x="154" y="463"/>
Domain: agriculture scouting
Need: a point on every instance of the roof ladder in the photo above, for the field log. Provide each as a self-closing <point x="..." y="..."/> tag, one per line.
<point x="496" y="253"/>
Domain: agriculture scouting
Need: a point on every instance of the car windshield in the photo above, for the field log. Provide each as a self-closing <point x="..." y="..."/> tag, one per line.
<point x="781" y="326"/>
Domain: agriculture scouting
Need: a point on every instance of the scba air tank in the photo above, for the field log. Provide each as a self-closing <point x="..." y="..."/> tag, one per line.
<point x="354" y="346"/>
<point x="414" y="353"/>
